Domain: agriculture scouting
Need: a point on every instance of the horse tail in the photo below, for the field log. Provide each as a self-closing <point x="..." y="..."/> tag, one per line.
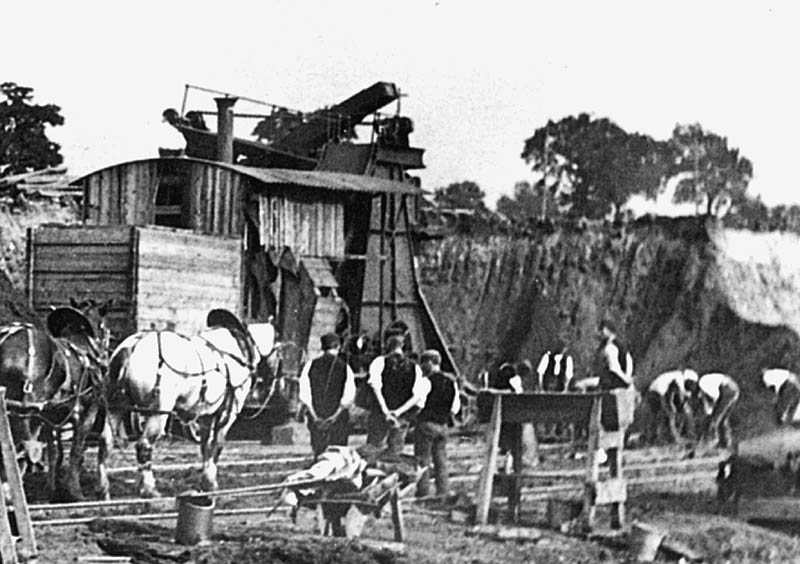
<point x="117" y="385"/>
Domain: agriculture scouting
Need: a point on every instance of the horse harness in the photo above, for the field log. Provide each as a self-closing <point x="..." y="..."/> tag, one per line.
<point x="230" y="388"/>
<point x="63" y="349"/>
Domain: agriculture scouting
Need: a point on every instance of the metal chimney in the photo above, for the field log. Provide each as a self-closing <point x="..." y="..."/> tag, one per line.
<point x="225" y="128"/>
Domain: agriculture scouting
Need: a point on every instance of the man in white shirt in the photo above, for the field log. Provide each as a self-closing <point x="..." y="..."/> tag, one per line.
<point x="327" y="388"/>
<point x="786" y="387"/>
<point x="667" y="396"/>
<point x="399" y="388"/>
<point x="555" y="370"/>
<point x="717" y="393"/>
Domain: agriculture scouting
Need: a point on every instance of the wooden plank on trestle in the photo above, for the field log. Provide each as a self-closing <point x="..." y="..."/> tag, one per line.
<point x="27" y="544"/>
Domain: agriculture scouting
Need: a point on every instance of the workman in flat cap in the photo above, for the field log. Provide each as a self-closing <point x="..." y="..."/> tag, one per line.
<point x="327" y="389"/>
<point x="442" y="403"/>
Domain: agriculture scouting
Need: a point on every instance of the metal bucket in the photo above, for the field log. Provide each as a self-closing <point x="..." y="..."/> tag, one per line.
<point x="195" y="518"/>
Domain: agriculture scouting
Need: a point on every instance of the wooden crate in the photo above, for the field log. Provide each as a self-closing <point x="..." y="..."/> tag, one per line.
<point x="158" y="277"/>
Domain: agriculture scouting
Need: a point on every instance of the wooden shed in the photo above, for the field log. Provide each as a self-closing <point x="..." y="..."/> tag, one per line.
<point x="316" y="250"/>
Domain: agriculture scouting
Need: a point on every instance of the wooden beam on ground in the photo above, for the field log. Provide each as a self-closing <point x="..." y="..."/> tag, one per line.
<point x="785" y="509"/>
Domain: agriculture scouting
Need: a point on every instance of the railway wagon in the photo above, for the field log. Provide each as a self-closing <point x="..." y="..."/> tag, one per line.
<point x="157" y="277"/>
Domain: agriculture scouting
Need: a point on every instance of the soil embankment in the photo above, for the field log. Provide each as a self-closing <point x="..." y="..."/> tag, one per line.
<point x="683" y="293"/>
<point x="13" y="228"/>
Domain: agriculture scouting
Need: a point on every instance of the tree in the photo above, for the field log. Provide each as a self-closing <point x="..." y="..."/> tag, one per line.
<point x="530" y="201"/>
<point x="713" y="167"/>
<point x="466" y="194"/>
<point x="594" y="165"/>
<point x="24" y="146"/>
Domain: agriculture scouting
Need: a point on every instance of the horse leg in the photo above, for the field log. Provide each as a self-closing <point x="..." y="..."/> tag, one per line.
<point x="153" y="428"/>
<point x="52" y="441"/>
<point x="104" y="446"/>
<point x="208" y="447"/>
<point x="212" y="449"/>
<point x="72" y="479"/>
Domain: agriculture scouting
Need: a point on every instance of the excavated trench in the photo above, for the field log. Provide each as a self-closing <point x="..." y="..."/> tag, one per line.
<point x="683" y="292"/>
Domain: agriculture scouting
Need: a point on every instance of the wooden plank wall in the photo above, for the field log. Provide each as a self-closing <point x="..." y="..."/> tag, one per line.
<point x="312" y="229"/>
<point x="122" y="195"/>
<point x="182" y="275"/>
<point x="216" y="206"/>
<point x="82" y="262"/>
<point x="125" y="194"/>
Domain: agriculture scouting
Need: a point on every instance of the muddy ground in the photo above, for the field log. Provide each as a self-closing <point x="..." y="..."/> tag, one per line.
<point x="687" y="514"/>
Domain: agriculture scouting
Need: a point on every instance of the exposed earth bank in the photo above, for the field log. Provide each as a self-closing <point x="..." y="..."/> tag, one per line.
<point x="683" y="292"/>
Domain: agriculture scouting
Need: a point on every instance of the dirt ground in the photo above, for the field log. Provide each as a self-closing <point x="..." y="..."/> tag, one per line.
<point x="688" y="517"/>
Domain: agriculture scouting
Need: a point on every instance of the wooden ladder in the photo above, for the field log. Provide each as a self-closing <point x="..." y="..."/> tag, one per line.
<point x="16" y="530"/>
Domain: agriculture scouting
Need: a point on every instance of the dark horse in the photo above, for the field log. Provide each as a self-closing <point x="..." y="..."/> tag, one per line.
<point x="50" y="376"/>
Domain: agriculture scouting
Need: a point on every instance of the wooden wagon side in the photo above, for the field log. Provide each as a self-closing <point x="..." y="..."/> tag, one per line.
<point x="158" y="277"/>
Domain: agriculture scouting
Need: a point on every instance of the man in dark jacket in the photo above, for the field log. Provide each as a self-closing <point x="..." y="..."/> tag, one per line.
<point x="327" y="388"/>
<point x="442" y="403"/>
<point x="399" y="391"/>
<point x="618" y="369"/>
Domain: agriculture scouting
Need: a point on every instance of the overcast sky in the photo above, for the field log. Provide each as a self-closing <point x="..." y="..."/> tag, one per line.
<point x="480" y="77"/>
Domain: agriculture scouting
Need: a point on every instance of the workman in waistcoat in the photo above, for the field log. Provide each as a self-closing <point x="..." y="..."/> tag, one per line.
<point x="555" y="370"/>
<point x="442" y="403"/>
<point x="507" y="379"/>
<point x="618" y="363"/>
<point x="399" y="390"/>
<point x="327" y="388"/>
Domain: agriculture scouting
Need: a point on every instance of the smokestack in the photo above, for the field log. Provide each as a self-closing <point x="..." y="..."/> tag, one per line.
<point x="225" y="128"/>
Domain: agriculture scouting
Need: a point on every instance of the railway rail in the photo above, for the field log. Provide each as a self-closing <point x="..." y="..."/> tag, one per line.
<point x="647" y="469"/>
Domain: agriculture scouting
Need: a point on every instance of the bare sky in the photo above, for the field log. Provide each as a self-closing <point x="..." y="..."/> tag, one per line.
<point x="480" y="76"/>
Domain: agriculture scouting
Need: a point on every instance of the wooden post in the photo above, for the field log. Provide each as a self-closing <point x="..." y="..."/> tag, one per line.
<point x="515" y="490"/>
<point x="592" y="464"/>
<point x="397" y="517"/>
<point x="489" y="464"/>
<point x="8" y="551"/>
<point x="322" y="521"/>
<point x="27" y="544"/>
<point x="615" y="473"/>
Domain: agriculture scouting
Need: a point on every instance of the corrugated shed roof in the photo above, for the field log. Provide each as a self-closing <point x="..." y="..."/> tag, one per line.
<point x="325" y="180"/>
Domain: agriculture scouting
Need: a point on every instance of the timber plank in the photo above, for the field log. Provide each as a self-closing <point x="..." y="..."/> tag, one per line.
<point x="83" y="235"/>
<point x="771" y="508"/>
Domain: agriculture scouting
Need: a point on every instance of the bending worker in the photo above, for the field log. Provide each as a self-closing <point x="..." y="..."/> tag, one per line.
<point x="718" y="393"/>
<point x="667" y="396"/>
<point x="327" y="388"/>
<point x="442" y="403"/>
